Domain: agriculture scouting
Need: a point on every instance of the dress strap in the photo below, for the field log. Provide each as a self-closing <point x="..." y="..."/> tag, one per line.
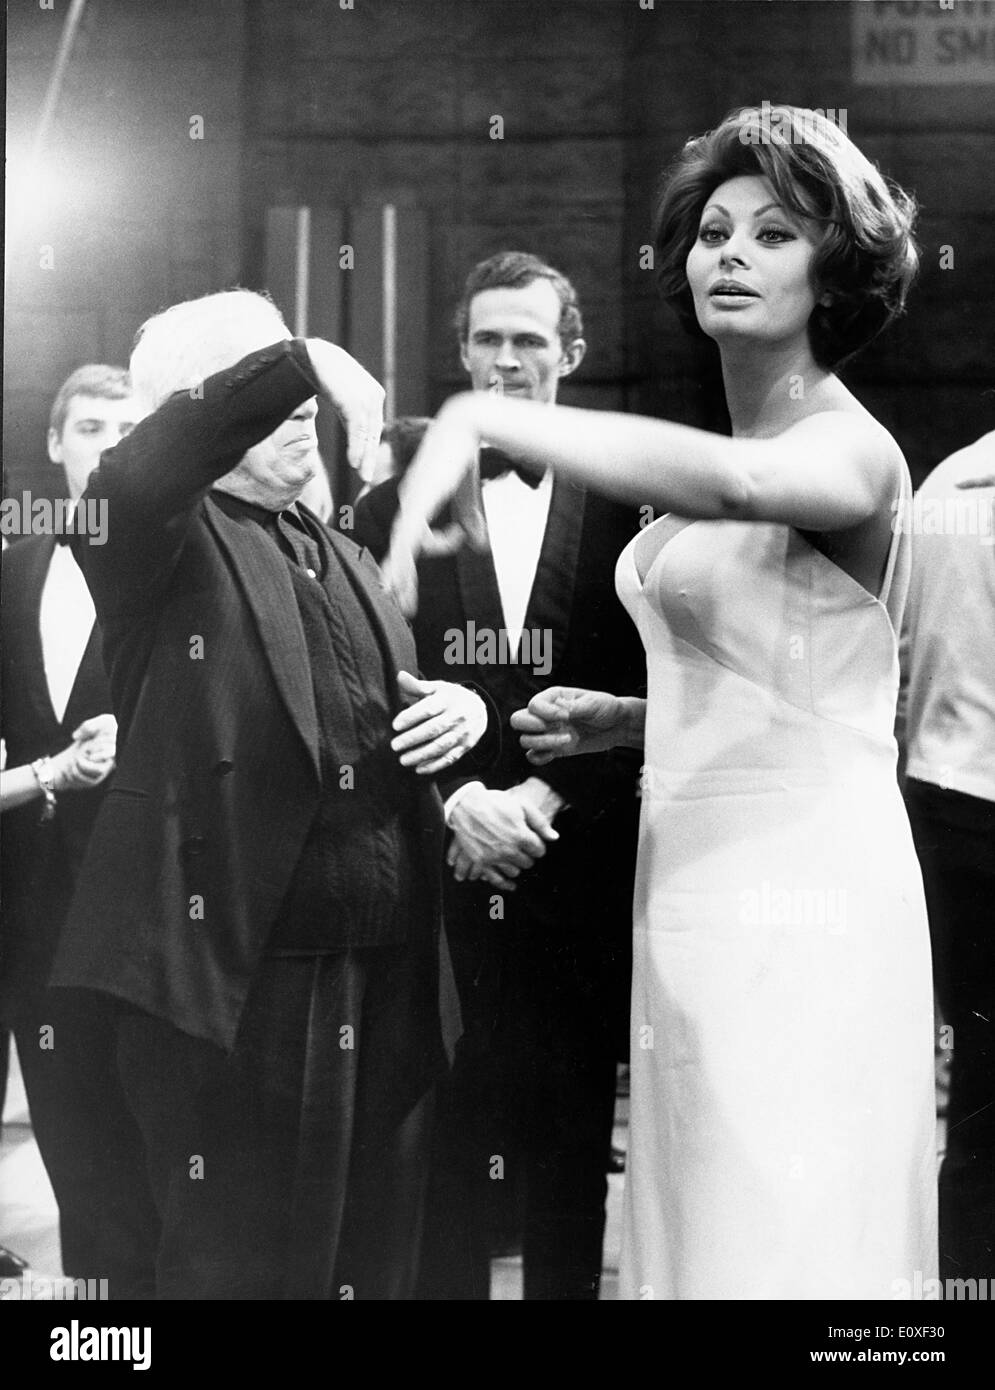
<point x="896" y="573"/>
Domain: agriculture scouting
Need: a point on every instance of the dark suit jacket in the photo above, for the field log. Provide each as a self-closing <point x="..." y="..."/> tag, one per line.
<point x="594" y="643"/>
<point x="561" y="956"/>
<point x="217" y="780"/>
<point x="39" y="862"/>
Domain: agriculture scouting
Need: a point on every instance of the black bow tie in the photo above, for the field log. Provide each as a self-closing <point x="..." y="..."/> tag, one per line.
<point x="494" y="464"/>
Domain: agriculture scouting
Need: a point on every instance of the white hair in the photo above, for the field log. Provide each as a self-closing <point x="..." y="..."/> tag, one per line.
<point x="176" y="349"/>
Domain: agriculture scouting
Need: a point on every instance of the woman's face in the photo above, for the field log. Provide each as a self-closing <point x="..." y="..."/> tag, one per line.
<point x="750" y="268"/>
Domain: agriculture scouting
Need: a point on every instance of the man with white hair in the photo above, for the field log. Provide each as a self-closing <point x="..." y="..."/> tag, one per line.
<point x="260" y="903"/>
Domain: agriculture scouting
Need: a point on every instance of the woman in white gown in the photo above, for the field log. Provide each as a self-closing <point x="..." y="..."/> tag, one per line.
<point x="782" y="1118"/>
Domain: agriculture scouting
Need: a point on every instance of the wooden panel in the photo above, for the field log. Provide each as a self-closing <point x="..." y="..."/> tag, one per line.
<point x="367" y="305"/>
<point x="302" y="274"/>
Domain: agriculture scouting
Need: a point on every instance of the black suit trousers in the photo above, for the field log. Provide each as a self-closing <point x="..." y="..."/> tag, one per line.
<point x="290" y="1168"/>
<point x="955" y="841"/>
<point x="524" y="1128"/>
<point x="89" y="1141"/>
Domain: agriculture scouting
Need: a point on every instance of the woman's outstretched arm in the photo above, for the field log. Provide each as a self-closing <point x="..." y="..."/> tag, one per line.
<point x="831" y="471"/>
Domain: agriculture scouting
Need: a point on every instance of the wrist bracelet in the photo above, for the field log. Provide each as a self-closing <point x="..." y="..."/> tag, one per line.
<point x="42" y="769"/>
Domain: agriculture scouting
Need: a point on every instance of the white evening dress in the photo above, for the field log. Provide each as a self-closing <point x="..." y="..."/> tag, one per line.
<point x="782" y="1139"/>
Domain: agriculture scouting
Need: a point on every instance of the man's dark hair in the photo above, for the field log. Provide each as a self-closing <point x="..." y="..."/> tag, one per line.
<point x="514" y="270"/>
<point x="404" y="436"/>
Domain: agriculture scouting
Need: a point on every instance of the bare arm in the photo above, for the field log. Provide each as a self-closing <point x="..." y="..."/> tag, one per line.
<point x="18" y="785"/>
<point x="830" y="472"/>
<point x="84" y="763"/>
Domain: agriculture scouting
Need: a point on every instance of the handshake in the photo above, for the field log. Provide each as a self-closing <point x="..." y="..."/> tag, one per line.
<point x="89" y="759"/>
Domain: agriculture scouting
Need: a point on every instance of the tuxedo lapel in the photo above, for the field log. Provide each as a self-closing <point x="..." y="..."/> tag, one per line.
<point x="267" y="589"/>
<point x="89" y="685"/>
<point x="479" y="594"/>
<point x="551" y="600"/>
<point x="38" y="571"/>
<point x="35" y="576"/>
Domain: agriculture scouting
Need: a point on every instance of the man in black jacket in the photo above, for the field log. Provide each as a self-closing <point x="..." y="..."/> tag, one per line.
<point x="538" y="899"/>
<point x="260" y="904"/>
<point x="56" y="719"/>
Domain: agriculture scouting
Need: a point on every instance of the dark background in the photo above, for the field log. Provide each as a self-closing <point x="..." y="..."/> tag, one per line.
<point x="306" y="103"/>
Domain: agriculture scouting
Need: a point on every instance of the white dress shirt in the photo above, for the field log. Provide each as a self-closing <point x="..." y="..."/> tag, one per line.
<point x="516" y="524"/>
<point x="66" y="620"/>
<point x="516" y="516"/>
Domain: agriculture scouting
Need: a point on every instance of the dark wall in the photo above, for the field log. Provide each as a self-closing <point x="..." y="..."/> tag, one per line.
<point x="307" y="102"/>
<point x="124" y="213"/>
<point x="930" y="378"/>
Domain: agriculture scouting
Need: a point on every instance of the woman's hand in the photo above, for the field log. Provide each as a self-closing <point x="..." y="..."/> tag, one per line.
<point x="563" y="721"/>
<point x="89" y="759"/>
<point x="83" y="764"/>
<point x="97" y="738"/>
<point x="441" y="723"/>
<point x="444" y="468"/>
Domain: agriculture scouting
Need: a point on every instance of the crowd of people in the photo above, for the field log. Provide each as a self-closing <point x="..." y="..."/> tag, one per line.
<point x="342" y="865"/>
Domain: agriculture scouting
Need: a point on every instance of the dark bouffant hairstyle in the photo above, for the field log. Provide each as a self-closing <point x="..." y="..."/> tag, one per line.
<point x="867" y="258"/>
<point x="514" y="270"/>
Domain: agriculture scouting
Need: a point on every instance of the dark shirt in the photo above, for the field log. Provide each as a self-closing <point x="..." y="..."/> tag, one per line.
<point x="357" y="857"/>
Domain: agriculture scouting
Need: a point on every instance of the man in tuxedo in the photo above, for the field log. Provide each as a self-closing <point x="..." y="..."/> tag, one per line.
<point x="259" y="909"/>
<point x="57" y="724"/>
<point x="538" y="899"/>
